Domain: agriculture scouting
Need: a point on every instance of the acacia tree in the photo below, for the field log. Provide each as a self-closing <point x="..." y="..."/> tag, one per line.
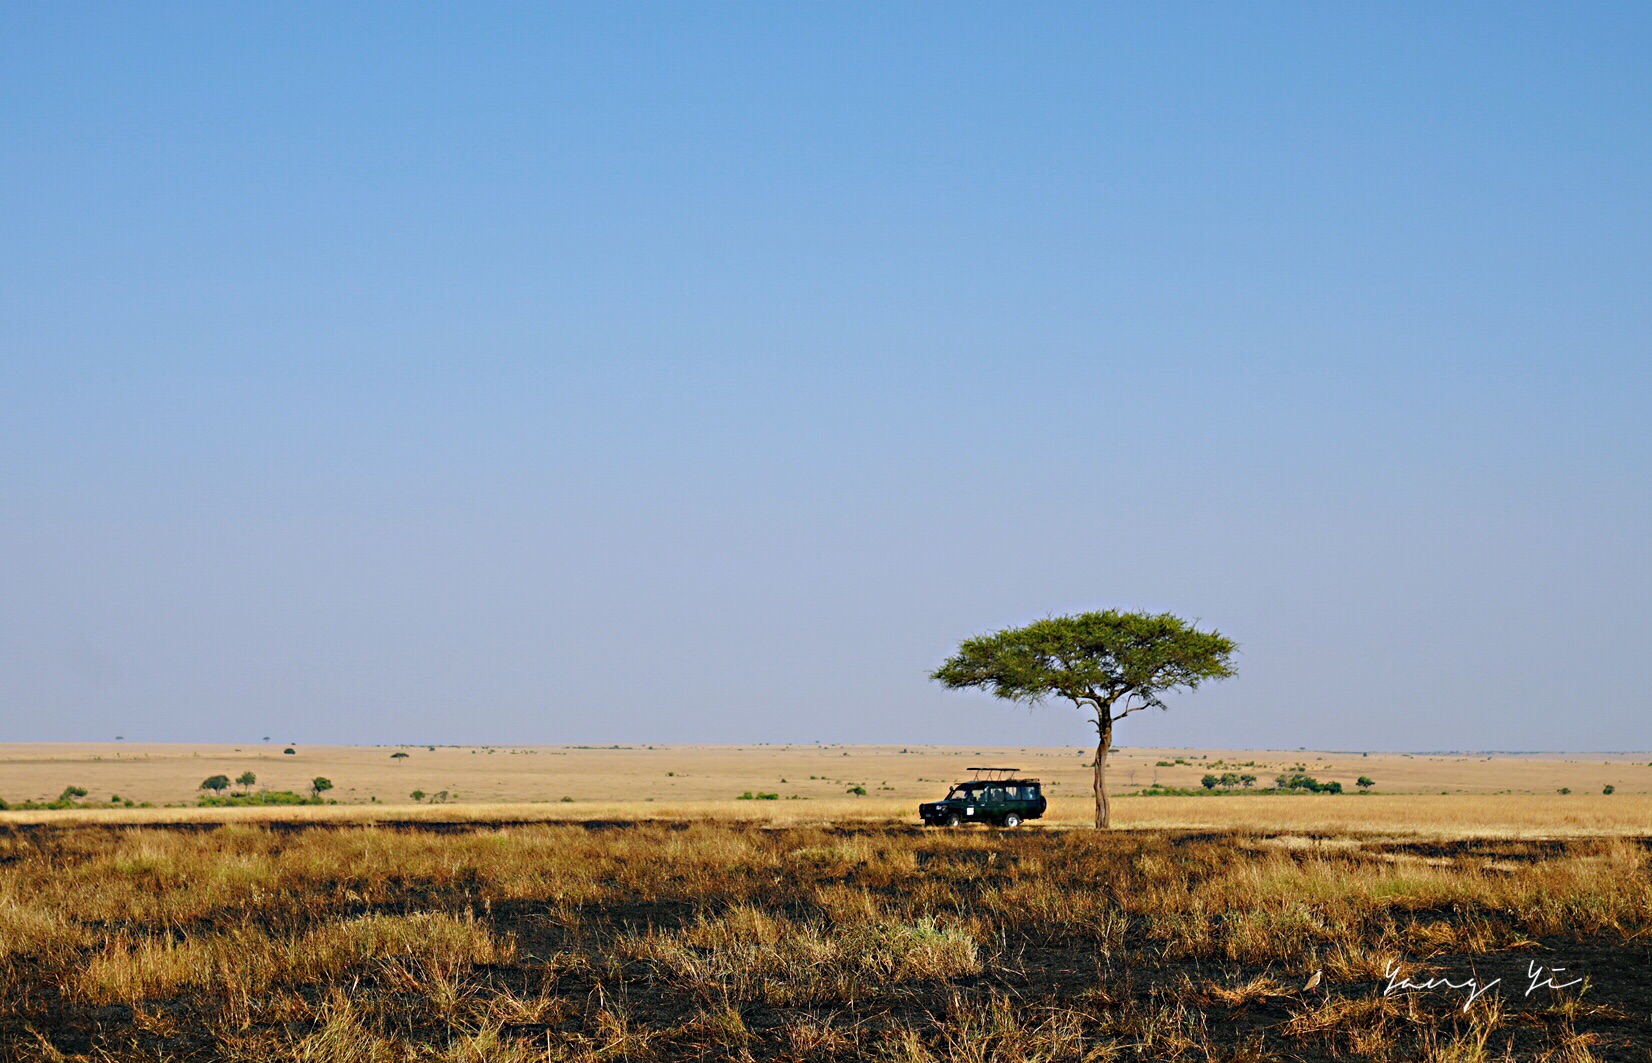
<point x="1110" y="664"/>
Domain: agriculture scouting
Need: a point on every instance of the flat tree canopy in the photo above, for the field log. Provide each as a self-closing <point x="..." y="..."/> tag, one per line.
<point x="1108" y="663"/>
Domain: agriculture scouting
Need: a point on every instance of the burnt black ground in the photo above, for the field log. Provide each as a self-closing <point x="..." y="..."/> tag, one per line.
<point x="1611" y="1013"/>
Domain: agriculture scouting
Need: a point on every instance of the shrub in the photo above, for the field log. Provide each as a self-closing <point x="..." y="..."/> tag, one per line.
<point x="858" y="791"/>
<point x="215" y="783"/>
<point x="320" y="784"/>
<point x="1209" y="782"/>
<point x="1300" y="781"/>
<point x="1365" y="782"/>
<point x="70" y="793"/>
<point x="263" y="797"/>
<point x="289" y="751"/>
<point x="1565" y="789"/>
<point x="417" y="795"/>
<point x="1608" y="789"/>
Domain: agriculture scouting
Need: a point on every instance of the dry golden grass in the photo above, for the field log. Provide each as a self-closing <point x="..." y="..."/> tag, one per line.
<point x="728" y="940"/>
<point x="1317" y="818"/>
<point x="716" y="775"/>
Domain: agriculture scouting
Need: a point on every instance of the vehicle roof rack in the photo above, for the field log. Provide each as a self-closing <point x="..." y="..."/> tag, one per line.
<point x="1006" y="772"/>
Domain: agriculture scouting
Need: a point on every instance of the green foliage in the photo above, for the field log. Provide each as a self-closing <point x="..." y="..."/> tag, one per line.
<point x="398" y="755"/>
<point x="1209" y="782"/>
<point x="246" y="780"/>
<point x="289" y="751"/>
<point x="1608" y="789"/>
<point x="1365" y="782"/>
<point x="71" y="792"/>
<point x="858" y="791"/>
<point x="1299" y="781"/>
<point x="320" y="784"/>
<point x="263" y="797"/>
<point x="1096" y="659"/>
<point x="215" y="783"/>
<point x="417" y="795"/>
<point x="1565" y="789"/>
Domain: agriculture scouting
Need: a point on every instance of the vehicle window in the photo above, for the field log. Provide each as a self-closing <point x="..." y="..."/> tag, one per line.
<point x="995" y="793"/>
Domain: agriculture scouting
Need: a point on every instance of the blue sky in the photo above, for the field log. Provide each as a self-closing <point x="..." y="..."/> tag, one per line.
<point x="704" y="373"/>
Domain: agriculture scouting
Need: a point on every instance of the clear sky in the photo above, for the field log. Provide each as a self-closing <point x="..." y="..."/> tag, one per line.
<point x="615" y="373"/>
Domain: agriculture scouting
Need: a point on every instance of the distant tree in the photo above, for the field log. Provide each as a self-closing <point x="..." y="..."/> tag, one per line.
<point x="1608" y="789"/>
<point x="289" y="751"/>
<point x="215" y="783"/>
<point x="1247" y="780"/>
<point x="1565" y="789"/>
<point x="1365" y="782"/>
<point x="246" y="780"/>
<point x="417" y="795"/>
<point x="398" y="756"/>
<point x="320" y="784"/>
<point x="1209" y="782"/>
<point x="1109" y="664"/>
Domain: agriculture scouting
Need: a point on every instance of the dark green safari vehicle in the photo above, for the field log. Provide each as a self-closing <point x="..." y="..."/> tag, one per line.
<point x="1001" y="799"/>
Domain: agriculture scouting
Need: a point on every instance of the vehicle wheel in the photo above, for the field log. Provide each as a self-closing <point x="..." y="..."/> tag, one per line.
<point x="1012" y="820"/>
<point x="953" y="819"/>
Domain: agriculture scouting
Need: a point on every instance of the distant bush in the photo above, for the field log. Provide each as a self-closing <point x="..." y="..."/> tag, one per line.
<point x="1300" y="782"/>
<point x="1565" y="789"/>
<point x="263" y="797"/>
<point x="215" y="783"/>
<point x="1365" y="782"/>
<point x="289" y="750"/>
<point x="246" y="780"/>
<point x="398" y="756"/>
<point x="417" y="795"/>
<point x="320" y="784"/>
<point x="858" y="791"/>
<point x="1608" y="789"/>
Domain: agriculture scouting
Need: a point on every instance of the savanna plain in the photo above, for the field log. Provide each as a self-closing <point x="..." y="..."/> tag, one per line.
<point x="636" y="903"/>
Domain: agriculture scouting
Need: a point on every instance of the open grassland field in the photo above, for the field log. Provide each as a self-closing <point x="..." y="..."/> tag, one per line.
<point x="815" y="783"/>
<point x="744" y="941"/>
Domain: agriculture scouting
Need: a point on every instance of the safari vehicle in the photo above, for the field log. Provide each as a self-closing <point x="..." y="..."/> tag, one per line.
<point x="999" y="798"/>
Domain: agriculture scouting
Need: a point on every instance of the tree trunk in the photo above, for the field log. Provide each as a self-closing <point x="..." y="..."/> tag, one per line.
<point x="1104" y="743"/>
